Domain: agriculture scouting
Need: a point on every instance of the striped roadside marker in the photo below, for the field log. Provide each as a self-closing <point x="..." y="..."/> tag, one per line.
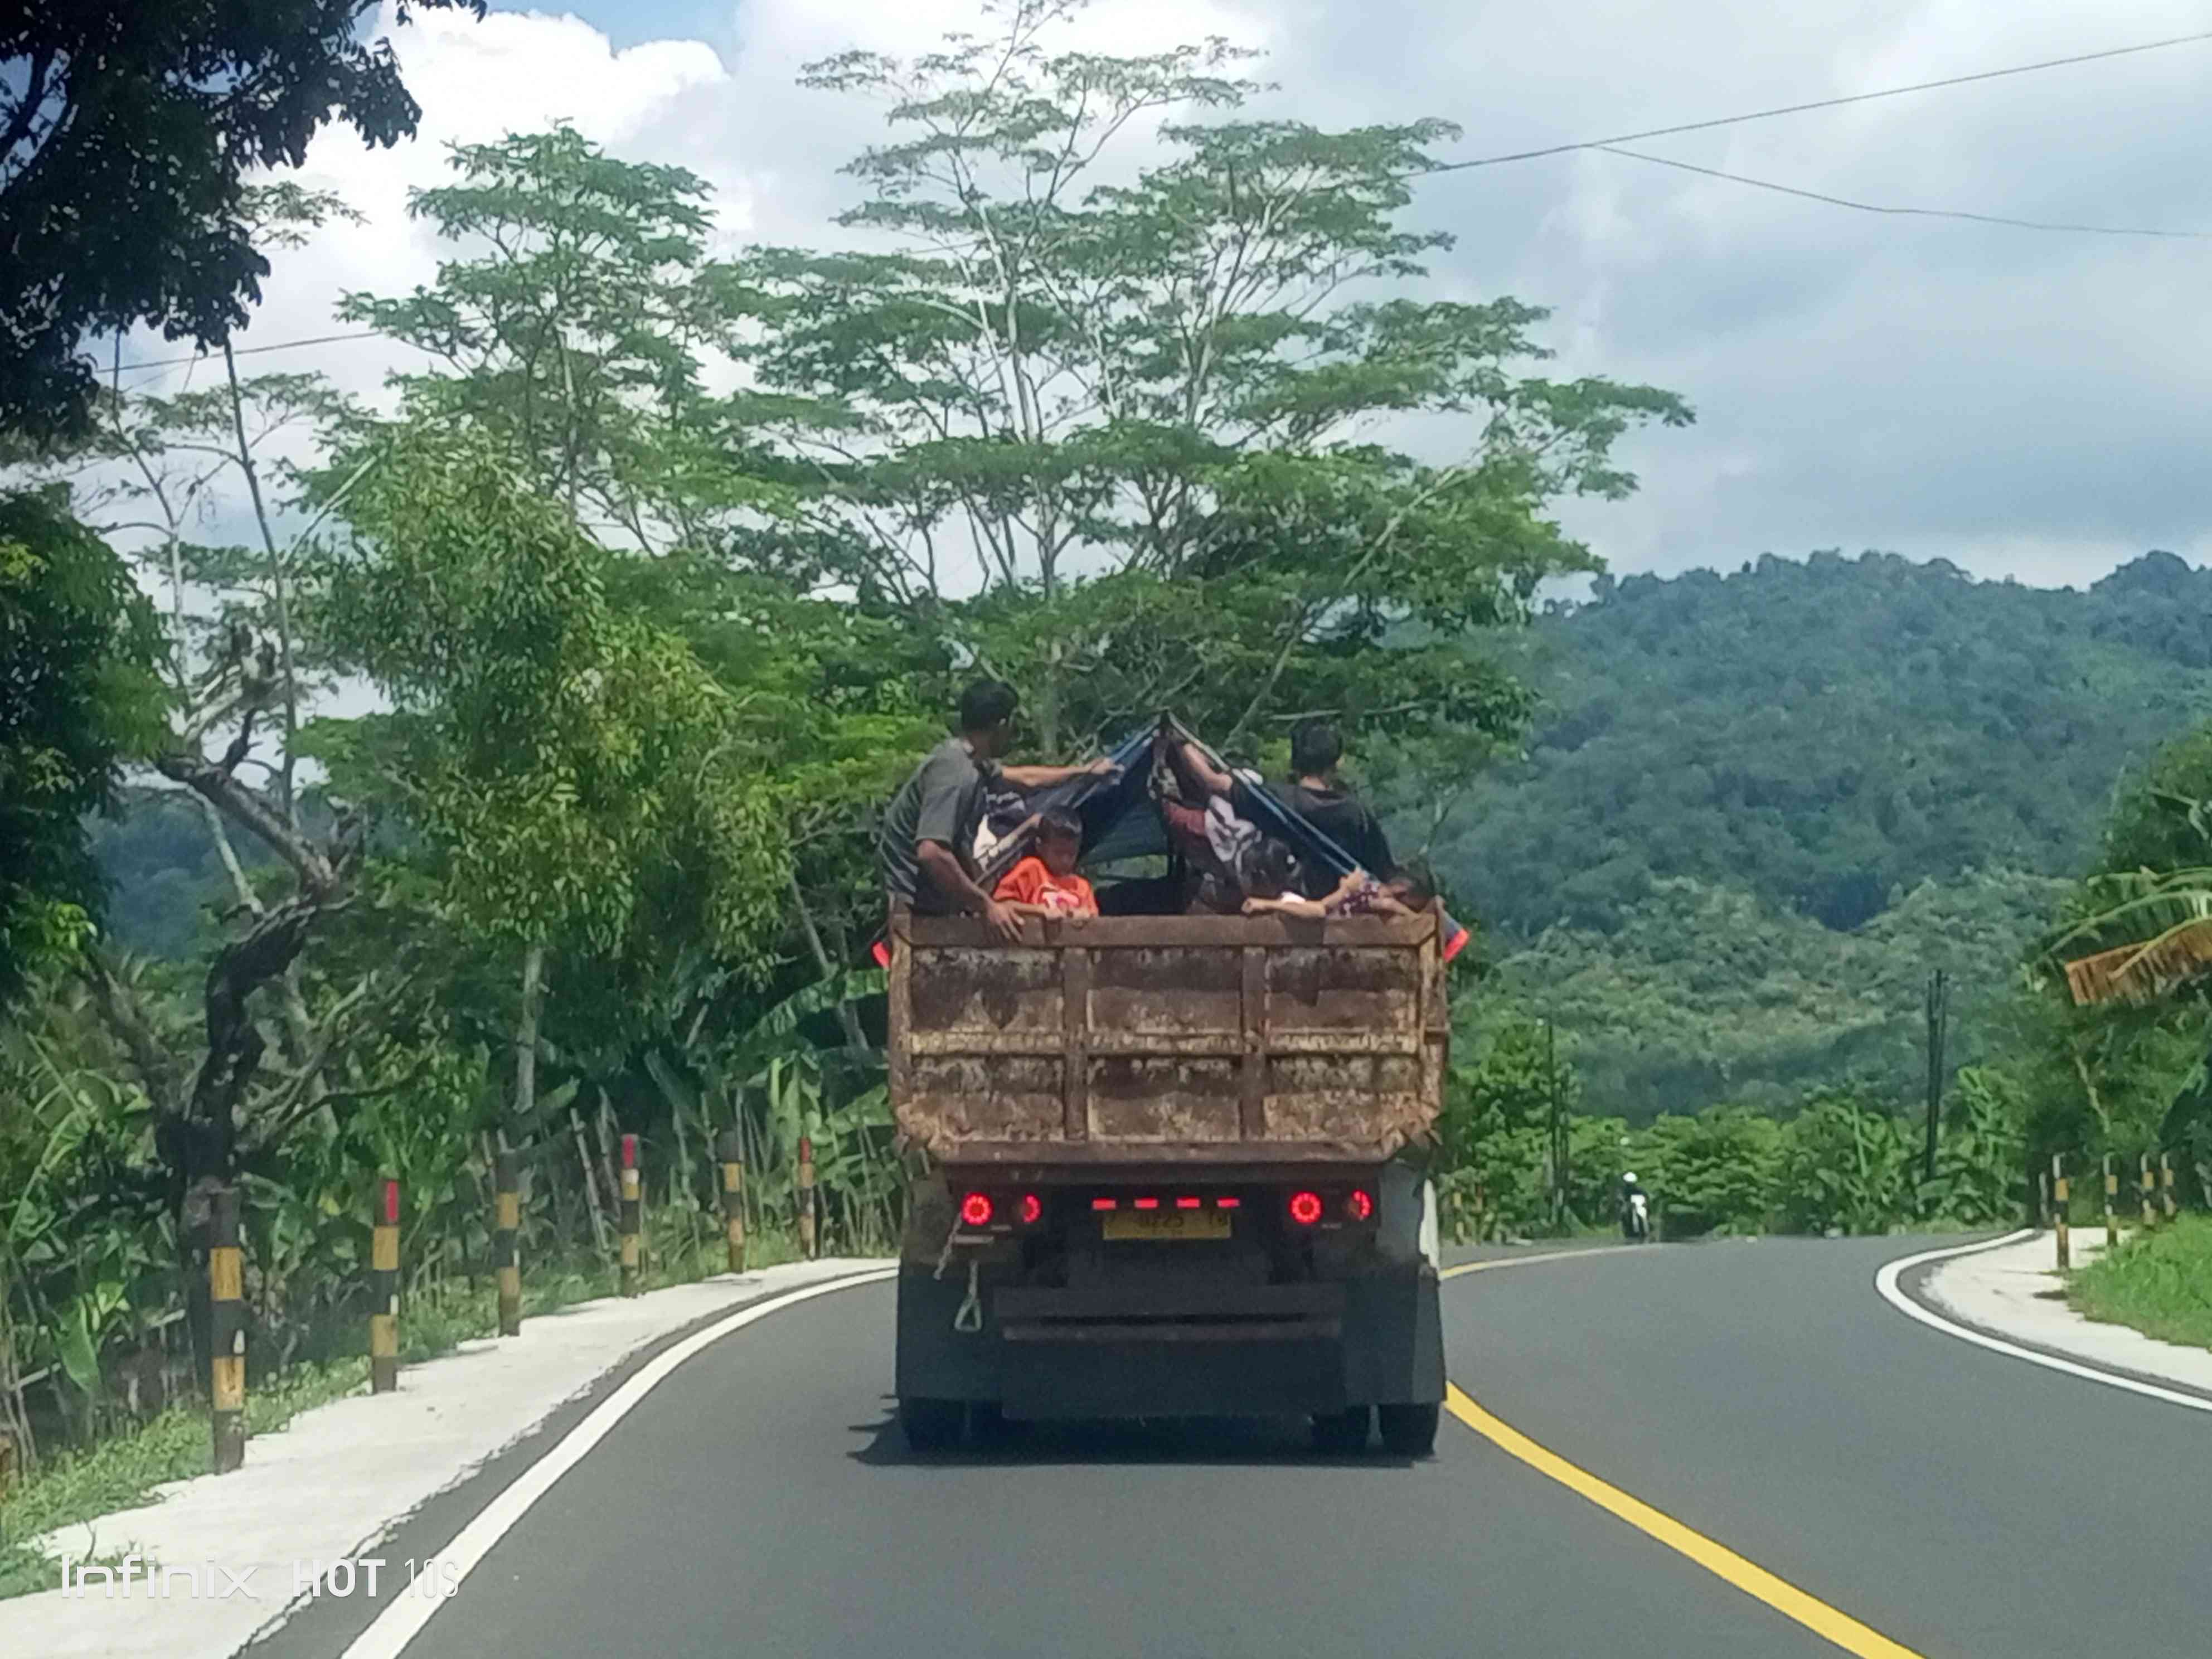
<point x="2112" y="1202"/>
<point x="505" y="1237"/>
<point x="2150" y="1186"/>
<point x="806" y="1198"/>
<point x="384" y="1291"/>
<point x="633" y="1215"/>
<point x="730" y="1148"/>
<point x="2166" y="1185"/>
<point x="226" y="1329"/>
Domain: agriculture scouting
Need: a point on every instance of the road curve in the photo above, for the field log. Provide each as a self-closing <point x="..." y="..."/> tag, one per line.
<point x="760" y="1501"/>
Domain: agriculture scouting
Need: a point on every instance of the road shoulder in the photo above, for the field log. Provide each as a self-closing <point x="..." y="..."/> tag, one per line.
<point x="340" y="1479"/>
<point x="2013" y="1293"/>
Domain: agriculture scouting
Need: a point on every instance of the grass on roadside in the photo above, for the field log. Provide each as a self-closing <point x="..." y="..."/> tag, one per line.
<point x="122" y="1472"/>
<point x="2158" y="1283"/>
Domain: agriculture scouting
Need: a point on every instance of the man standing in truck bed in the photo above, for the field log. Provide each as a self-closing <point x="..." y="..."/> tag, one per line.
<point x="930" y="825"/>
<point x="1317" y="796"/>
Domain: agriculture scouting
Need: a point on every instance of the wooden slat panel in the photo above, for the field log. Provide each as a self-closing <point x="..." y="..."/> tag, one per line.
<point x="1369" y="990"/>
<point x="1119" y="932"/>
<point x="1075" y="999"/>
<point x="1162" y="1160"/>
<point x="1096" y="1041"/>
<point x="1311" y="1095"/>
<point x="1154" y="989"/>
<point x="1252" y="1081"/>
<point x="1004" y="1098"/>
<point x="1162" y="1099"/>
<point x="964" y="988"/>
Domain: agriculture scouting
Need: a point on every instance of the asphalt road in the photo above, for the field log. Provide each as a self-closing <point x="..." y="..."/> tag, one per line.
<point x="761" y="1501"/>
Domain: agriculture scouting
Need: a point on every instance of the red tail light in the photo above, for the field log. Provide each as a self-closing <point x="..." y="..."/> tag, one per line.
<point x="1360" y="1205"/>
<point x="1148" y="1204"/>
<point x="1305" y="1208"/>
<point x="1105" y="1204"/>
<point x="975" y="1210"/>
<point x="1228" y="1203"/>
<point x="1032" y="1208"/>
<point x="1188" y="1203"/>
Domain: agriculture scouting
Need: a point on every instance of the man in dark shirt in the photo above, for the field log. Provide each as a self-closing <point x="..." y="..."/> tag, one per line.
<point x="928" y="832"/>
<point x="1320" y="799"/>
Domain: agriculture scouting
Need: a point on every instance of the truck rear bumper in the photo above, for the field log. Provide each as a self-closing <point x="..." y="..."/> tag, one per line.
<point x="1230" y="1352"/>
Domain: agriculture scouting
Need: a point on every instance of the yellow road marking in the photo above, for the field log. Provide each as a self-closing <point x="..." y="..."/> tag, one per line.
<point x="1753" y="1580"/>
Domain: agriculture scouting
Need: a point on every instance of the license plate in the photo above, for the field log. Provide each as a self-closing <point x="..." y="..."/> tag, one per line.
<point x="1166" y="1227"/>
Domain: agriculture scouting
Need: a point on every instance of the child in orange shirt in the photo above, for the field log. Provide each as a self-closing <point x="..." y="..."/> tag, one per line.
<point x="1045" y="883"/>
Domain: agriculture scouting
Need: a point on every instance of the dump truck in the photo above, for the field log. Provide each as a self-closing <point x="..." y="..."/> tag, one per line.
<point x="1173" y="1170"/>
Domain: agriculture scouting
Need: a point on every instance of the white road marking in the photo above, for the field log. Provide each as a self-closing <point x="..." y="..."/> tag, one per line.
<point x="1885" y="1281"/>
<point x="403" y="1618"/>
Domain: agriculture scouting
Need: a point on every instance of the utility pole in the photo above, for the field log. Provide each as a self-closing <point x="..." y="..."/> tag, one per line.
<point x="1939" y="1021"/>
<point x="1559" y="1172"/>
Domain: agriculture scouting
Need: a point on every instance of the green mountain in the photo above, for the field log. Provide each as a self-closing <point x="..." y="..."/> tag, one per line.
<point x="1757" y="811"/>
<point x="1826" y="736"/>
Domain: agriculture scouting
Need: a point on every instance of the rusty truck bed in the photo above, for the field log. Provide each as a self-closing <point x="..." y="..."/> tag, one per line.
<point x="1124" y="1041"/>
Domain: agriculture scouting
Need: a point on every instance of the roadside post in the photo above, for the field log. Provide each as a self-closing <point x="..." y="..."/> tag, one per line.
<point x="2042" y="1199"/>
<point x="806" y="1198"/>
<point x="2111" y="1201"/>
<point x="384" y="1290"/>
<point x="226" y="1330"/>
<point x="2149" y="1193"/>
<point x="6" y="1460"/>
<point x="730" y="1149"/>
<point x="2058" y="1196"/>
<point x="507" y="1240"/>
<point x="2166" y="1185"/>
<point x="633" y="1216"/>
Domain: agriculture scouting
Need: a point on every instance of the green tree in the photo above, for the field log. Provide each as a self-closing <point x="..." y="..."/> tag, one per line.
<point x="576" y="327"/>
<point x="1141" y="408"/>
<point x="126" y="133"/>
<point x="79" y="695"/>
<point x="584" y="784"/>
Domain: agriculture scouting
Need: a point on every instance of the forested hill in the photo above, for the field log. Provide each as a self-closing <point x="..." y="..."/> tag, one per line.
<point x="1825" y="735"/>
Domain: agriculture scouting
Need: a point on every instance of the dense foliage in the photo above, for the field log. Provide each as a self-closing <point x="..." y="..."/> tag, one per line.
<point x="78" y="647"/>
<point x="127" y="133"/>
<point x="1826" y="735"/>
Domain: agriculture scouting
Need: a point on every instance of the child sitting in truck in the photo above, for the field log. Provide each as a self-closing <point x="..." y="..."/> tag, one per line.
<point x="1358" y="894"/>
<point x="1045" y="883"/>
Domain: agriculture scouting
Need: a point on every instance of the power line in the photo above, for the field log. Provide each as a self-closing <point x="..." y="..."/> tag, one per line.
<point x="248" y="351"/>
<point x="1610" y="144"/>
<point x="1916" y="212"/>
<point x="1799" y="109"/>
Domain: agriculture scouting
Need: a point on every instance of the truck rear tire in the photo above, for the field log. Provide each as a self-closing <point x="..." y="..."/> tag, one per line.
<point x="1340" y="1431"/>
<point x="1408" y="1430"/>
<point x="931" y="1425"/>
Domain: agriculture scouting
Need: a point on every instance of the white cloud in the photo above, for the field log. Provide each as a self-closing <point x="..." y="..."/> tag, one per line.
<point x="2016" y="402"/>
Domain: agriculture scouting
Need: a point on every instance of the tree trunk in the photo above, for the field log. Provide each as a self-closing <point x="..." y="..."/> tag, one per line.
<point x="525" y="1040"/>
<point x="848" y="1020"/>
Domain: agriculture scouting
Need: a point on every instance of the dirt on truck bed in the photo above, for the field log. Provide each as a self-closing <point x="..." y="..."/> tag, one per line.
<point x="1260" y="1041"/>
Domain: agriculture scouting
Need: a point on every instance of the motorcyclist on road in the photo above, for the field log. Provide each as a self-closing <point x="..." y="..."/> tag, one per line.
<point x="1635" y="1208"/>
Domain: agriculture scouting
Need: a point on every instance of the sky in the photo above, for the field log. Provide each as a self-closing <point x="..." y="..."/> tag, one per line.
<point x="2026" y="405"/>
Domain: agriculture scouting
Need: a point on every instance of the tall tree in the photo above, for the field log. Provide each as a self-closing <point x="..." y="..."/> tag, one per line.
<point x="1137" y="404"/>
<point x="583" y="782"/>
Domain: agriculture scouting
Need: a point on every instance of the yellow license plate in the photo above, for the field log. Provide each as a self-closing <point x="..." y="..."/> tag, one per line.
<point x="1166" y="1227"/>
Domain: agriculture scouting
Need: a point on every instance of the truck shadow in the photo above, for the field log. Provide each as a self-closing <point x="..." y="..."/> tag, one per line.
<point x="1203" y="1442"/>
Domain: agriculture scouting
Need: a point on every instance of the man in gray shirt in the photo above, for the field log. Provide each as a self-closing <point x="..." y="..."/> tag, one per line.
<point x="930" y="825"/>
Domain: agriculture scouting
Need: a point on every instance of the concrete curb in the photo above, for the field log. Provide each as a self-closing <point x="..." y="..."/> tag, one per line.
<point x="2015" y="1294"/>
<point x="347" y="1474"/>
